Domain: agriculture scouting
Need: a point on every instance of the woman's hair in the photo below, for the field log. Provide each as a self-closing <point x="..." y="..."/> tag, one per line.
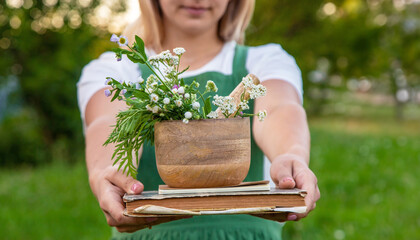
<point x="149" y="25"/>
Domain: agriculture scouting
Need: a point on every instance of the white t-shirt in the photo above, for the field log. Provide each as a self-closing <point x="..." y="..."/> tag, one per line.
<point x="266" y="62"/>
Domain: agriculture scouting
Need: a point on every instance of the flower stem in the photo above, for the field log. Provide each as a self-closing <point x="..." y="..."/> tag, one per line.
<point x="154" y="72"/>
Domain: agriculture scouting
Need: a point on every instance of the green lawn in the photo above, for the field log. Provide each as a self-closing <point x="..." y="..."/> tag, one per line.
<point x="367" y="171"/>
<point x="51" y="202"/>
<point x="368" y="176"/>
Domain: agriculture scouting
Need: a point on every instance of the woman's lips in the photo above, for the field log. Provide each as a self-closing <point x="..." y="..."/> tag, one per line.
<point x="195" y="11"/>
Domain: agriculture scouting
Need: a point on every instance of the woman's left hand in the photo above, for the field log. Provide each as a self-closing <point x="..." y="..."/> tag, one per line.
<point x="292" y="171"/>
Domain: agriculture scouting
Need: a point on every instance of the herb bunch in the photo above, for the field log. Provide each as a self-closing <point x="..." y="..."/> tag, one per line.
<point x="162" y="96"/>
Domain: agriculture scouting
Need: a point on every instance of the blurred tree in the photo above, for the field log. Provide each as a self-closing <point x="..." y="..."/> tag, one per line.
<point x="340" y="45"/>
<point x="44" y="45"/>
<point x="346" y="45"/>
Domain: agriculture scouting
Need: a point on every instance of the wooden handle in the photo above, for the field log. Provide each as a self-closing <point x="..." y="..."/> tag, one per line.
<point x="237" y="92"/>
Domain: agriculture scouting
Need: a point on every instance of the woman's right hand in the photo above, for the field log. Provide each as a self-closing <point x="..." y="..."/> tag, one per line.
<point x="109" y="186"/>
<point x="107" y="183"/>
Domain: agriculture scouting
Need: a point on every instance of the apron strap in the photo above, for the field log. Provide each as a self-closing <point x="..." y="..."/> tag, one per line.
<point x="239" y="63"/>
<point x="145" y="71"/>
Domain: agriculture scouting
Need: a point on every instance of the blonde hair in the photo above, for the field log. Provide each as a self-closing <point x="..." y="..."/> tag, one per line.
<point x="149" y="25"/>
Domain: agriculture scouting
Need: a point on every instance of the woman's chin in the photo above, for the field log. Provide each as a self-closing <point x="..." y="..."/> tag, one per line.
<point x="194" y="27"/>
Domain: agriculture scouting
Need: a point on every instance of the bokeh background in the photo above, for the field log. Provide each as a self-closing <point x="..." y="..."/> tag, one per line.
<point x="360" y="61"/>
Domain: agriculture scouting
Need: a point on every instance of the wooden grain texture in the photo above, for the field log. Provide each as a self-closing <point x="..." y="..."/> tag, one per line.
<point x="237" y="92"/>
<point x="203" y="153"/>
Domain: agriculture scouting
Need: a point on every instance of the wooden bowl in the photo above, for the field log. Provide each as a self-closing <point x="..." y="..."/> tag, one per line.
<point x="203" y="153"/>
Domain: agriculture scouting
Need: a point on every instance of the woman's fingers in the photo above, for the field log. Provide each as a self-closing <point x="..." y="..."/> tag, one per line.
<point x="127" y="183"/>
<point x="113" y="208"/>
<point x="306" y="179"/>
<point x="290" y="171"/>
<point x="281" y="172"/>
<point x="113" y="187"/>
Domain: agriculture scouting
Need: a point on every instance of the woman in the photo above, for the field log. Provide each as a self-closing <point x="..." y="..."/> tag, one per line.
<point x="209" y="30"/>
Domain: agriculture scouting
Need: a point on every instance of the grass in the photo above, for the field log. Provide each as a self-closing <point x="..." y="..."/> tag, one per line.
<point x="368" y="177"/>
<point x="367" y="170"/>
<point x="50" y="202"/>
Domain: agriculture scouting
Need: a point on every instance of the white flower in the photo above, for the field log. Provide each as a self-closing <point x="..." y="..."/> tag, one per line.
<point x="226" y="104"/>
<point x="148" y="108"/>
<point x="179" y="51"/>
<point x="247" y="82"/>
<point x="175" y="60"/>
<point x="262" y="115"/>
<point x="138" y="86"/>
<point x="152" y="81"/>
<point x="140" y="80"/>
<point x="181" y="90"/>
<point x="121" y="40"/>
<point x="195" y="84"/>
<point x="154" y="97"/>
<point x="195" y="105"/>
<point x="166" y="55"/>
<point x="185" y="120"/>
<point x="114" y="38"/>
<point x="107" y="92"/>
<point x="163" y="56"/>
<point x="174" y="90"/>
<point x="212" y="114"/>
<point x="154" y="60"/>
<point x="155" y="109"/>
<point x="178" y="103"/>
<point x="188" y="115"/>
<point x="211" y="86"/>
<point x="149" y="90"/>
<point x="169" y="72"/>
<point x="187" y="95"/>
<point x="243" y="105"/>
<point x="257" y="91"/>
<point x="166" y="101"/>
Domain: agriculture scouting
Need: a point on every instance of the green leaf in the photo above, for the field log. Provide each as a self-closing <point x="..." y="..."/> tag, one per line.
<point x="207" y="106"/>
<point x="140" y="45"/>
<point x="125" y="51"/>
<point x="204" y="113"/>
<point x="128" y="94"/>
<point x="163" y="87"/>
<point x="121" y="51"/>
<point x="116" y="94"/>
<point x="136" y="59"/>
<point x="182" y="82"/>
<point x="116" y="50"/>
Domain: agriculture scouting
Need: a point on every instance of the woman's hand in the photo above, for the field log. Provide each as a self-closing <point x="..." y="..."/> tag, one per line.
<point x="109" y="186"/>
<point x="290" y="171"/>
<point x="107" y="183"/>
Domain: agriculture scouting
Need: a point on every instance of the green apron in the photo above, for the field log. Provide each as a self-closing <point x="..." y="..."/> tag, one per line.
<point x="208" y="227"/>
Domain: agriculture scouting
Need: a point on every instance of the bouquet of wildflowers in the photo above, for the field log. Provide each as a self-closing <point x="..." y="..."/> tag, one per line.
<point x="162" y="96"/>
